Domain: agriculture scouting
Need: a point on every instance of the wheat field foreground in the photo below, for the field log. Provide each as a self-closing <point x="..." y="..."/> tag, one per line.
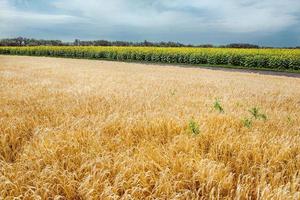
<point x="83" y="129"/>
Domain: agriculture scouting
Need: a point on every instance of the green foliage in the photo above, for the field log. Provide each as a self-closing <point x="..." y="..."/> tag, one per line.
<point x="257" y="61"/>
<point x="236" y="59"/>
<point x="218" y="107"/>
<point x="247" y="122"/>
<point x="279" y="62"/>
<point x="194" y="127"/>
<point x="256" y="113"/>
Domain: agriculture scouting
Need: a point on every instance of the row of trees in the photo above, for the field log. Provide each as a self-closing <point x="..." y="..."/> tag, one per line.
<point x="20" y="41"/>
<point x="145" y="43"/>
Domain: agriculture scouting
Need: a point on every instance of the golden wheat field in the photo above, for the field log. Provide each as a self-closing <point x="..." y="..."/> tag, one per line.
<point x="84" y="129"/>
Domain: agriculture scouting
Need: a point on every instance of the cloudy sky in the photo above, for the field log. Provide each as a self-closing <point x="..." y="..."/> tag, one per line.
<point x="263" y="22"/>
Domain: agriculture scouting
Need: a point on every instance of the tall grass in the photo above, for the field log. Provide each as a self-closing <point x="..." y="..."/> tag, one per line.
<point x="78" y="129"/>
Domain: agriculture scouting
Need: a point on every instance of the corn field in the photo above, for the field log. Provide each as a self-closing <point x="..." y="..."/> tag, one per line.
<point x="275" y="59"/>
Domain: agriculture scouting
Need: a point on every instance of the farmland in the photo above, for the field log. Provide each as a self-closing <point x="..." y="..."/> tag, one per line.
<point x="89" y="129"/>
<point x="271" y="59"/>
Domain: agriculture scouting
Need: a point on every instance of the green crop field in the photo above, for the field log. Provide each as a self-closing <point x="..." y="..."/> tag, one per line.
<point x="272" y="59"/>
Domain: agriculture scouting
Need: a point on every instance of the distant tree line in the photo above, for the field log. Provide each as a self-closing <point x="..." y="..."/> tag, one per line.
<point x="21" y="41"/>
<point x="244" y="46"/>
<point x="124" y="43"/>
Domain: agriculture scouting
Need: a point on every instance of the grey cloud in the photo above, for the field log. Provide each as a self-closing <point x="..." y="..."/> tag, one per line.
<point x="230" y="16"/>
<point x="202" y="21"/>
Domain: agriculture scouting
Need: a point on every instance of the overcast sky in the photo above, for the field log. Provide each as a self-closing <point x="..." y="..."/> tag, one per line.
<point x="263" y="22"/>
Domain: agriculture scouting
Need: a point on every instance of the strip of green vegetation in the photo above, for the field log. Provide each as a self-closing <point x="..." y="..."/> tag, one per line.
<point x="262" y="59"/>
